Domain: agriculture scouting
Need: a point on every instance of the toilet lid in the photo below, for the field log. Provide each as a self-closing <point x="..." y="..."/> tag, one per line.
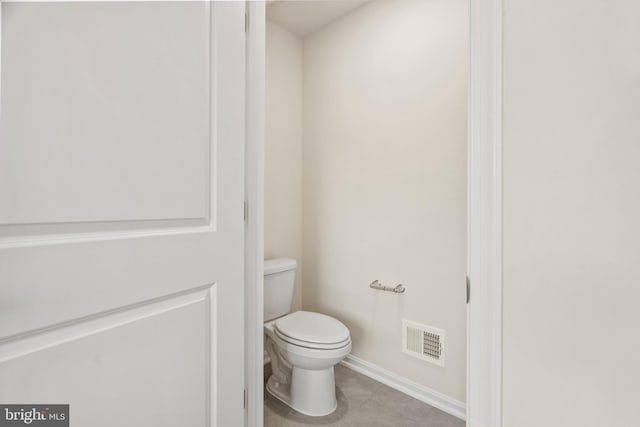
<point x="311" y="327"/>
<point x="312" y="345"/>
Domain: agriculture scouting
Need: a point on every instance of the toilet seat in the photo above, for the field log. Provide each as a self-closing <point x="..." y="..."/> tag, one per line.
<point x="312" y="330"/>
<point x="312" y="345"/>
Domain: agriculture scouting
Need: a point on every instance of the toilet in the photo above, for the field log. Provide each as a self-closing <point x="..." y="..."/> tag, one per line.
<point x="303" y="346"/>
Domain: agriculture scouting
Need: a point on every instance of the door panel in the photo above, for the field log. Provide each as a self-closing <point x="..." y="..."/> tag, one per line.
<point x="97" y="99"/>
<point x="158" y="347"/>
<point x="121" y="202"/>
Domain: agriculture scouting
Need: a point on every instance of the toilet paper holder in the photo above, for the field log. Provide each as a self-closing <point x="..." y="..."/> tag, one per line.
<point x="398" y="289"/>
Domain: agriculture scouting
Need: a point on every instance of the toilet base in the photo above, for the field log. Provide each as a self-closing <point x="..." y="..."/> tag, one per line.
<point x="311" y="392"/>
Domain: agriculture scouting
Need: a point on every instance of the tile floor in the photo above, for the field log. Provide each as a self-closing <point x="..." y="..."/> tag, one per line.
<point x="362" y="402"/>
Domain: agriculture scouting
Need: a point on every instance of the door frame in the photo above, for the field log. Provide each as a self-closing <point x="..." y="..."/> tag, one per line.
<point x="254" y="211"/>
<point x="484" y="213"/>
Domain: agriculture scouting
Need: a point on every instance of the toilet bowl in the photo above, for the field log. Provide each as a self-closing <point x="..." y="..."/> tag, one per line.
<point x="304" y="347"/>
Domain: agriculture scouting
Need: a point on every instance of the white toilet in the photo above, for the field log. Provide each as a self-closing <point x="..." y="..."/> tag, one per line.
<point x="303" y="346"/>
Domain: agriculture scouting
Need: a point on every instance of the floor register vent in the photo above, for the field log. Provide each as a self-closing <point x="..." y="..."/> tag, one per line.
<point x="424" y="342"/>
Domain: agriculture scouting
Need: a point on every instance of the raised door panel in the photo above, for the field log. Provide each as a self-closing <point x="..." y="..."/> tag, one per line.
<point x="105" y="112"/>
<point x="142" y="366"/>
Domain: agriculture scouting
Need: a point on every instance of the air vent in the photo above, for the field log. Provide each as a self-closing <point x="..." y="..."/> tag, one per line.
<point x="424" y="342"/>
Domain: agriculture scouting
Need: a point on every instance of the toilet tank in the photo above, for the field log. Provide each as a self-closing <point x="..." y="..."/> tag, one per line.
<point x="279" y="278"/>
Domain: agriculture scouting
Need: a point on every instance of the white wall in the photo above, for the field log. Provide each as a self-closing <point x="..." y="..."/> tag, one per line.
<point x="571" y="213"/>
<point x="385" y="111"/>
<point x="283" y="149"/>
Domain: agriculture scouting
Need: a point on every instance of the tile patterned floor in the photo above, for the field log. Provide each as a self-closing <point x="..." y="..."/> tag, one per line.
<point x="362" y="402"/>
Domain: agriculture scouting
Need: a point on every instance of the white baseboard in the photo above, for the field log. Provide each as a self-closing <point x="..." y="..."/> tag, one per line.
<point x="406" y="386"/>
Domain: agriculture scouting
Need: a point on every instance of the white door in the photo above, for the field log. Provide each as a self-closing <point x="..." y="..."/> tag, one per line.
<point x="121" y="211"/>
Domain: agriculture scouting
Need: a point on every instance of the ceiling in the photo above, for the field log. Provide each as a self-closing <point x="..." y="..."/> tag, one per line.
<point x="306" y="16"/>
